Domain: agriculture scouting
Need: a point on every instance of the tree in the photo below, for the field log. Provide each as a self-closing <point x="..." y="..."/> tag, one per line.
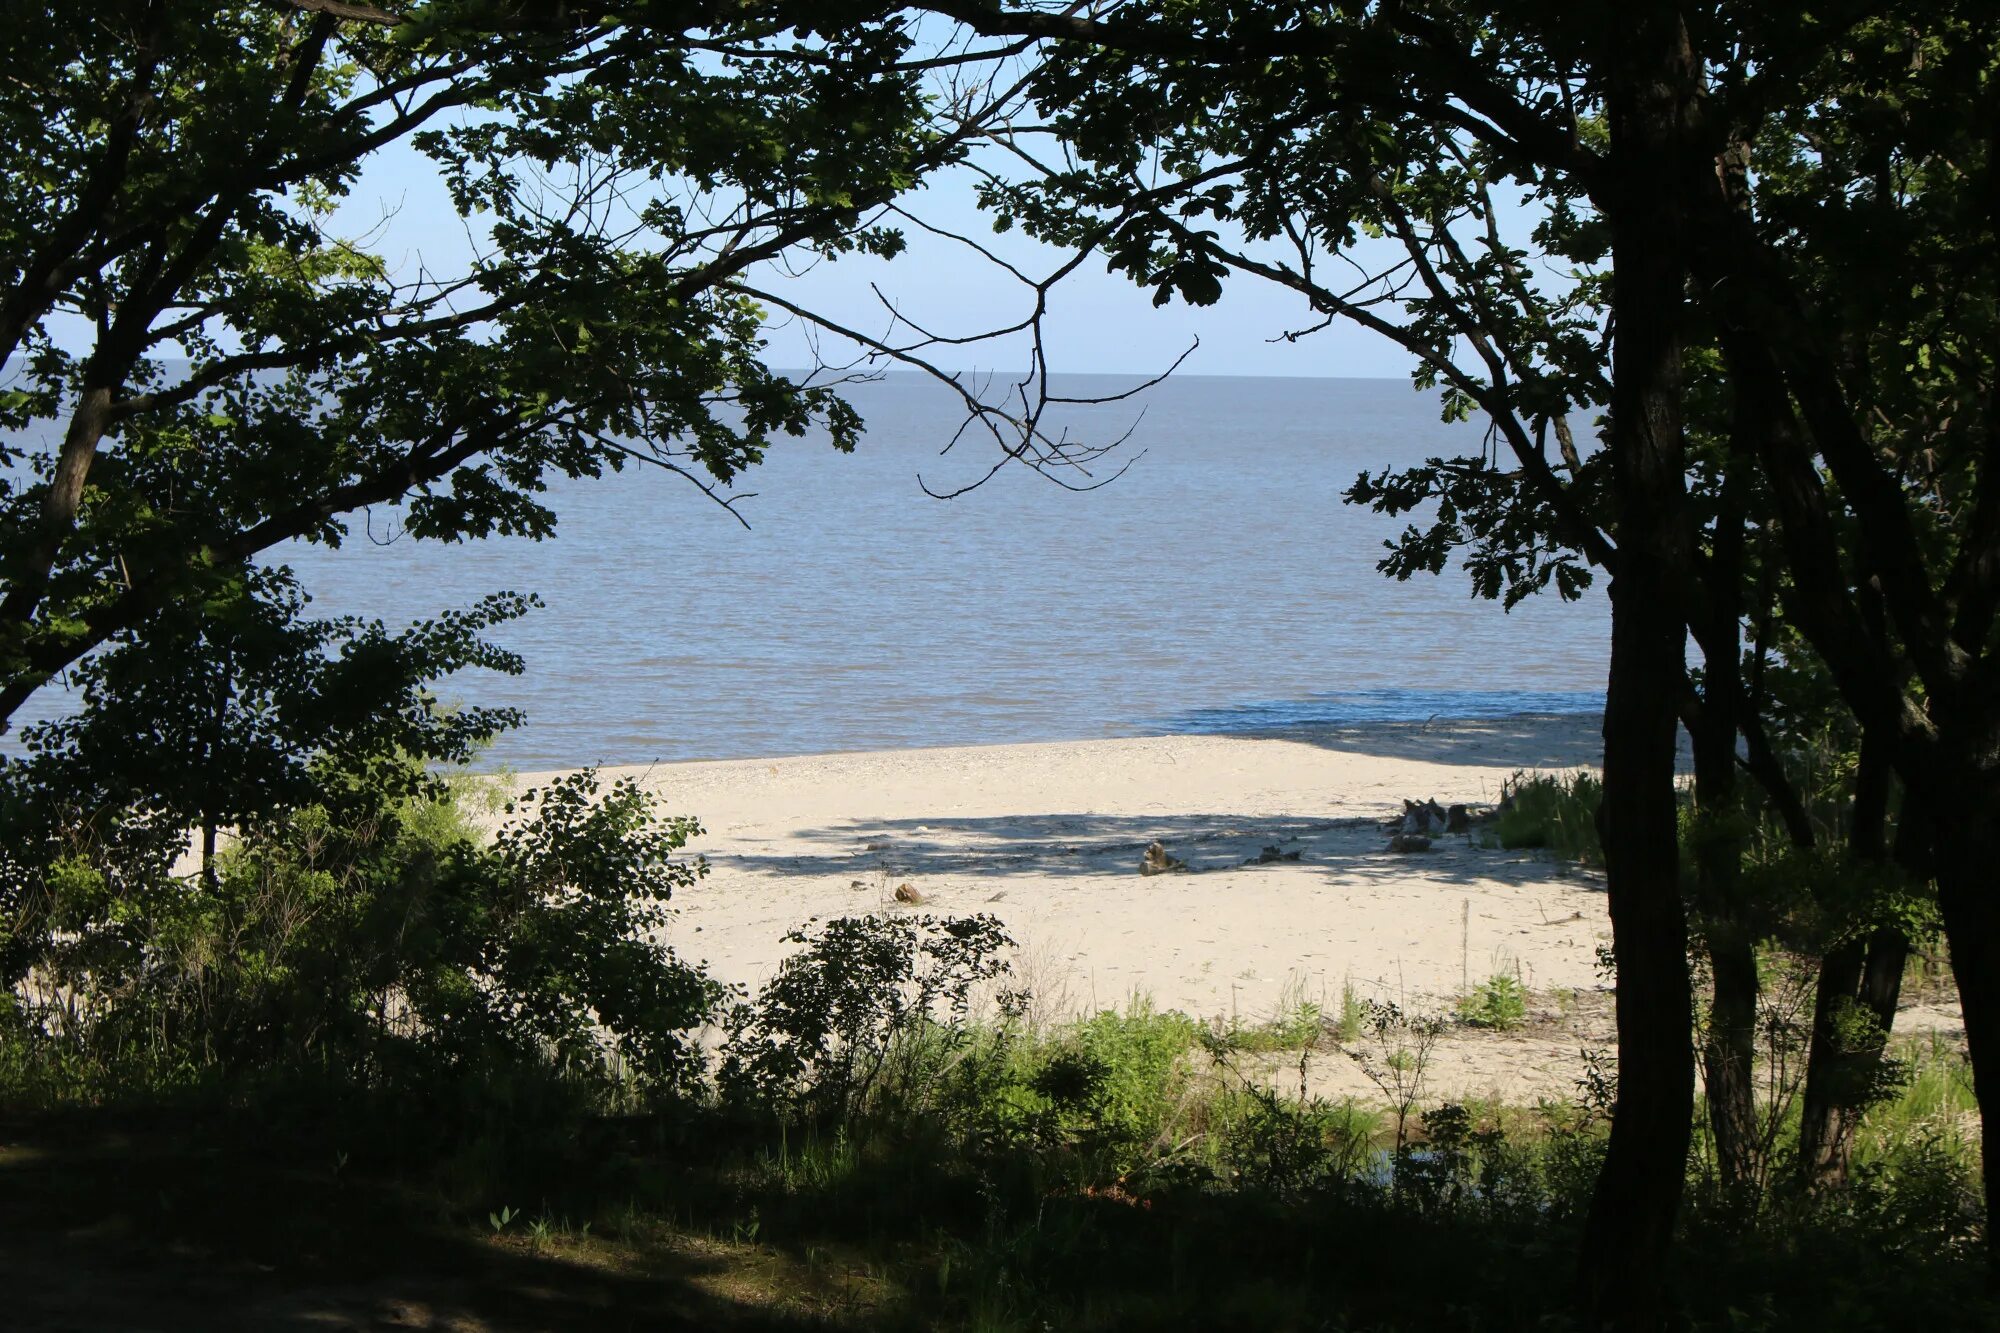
<point x="1302" y="129"/>
<point x="200" y="366"/>
<point x="1854" y="296"/>
<point x="242" y="715"/>
<point x="1269" y="139"/>
<point x="252" y="376"/>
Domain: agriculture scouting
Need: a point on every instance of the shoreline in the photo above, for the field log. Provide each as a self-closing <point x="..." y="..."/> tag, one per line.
<point x="1572" y="740"/>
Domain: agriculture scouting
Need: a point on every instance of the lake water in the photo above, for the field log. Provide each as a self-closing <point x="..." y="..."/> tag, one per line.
<point x="1220" y="584"/>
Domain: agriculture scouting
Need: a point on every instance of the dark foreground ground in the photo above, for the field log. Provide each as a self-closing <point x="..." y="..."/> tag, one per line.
<point x="157" y="1222"/>
<point x="128" y="1226"/>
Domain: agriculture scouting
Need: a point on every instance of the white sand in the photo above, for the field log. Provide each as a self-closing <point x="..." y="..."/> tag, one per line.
<point x="1048" y="838"/>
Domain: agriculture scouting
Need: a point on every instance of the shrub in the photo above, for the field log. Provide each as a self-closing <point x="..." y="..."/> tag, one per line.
<point x="1920" y="1194"/>
<point x="874" y="1003"/>
<point x="1290" y="1146"/>
<point x="389" y="944"/>
<point x="549" y="940"/>
<point x="1145" y="1054"/>
<point x="342" y="921"/>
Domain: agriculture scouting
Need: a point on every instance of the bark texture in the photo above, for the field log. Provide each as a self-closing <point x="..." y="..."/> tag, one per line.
<point x="1728" y="924"/>
<point x="1638" y="1192"/>
<point x="1863" y="970"/>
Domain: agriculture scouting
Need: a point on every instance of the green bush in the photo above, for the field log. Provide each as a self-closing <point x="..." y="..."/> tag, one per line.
<point x="341" y="920"/>
<point x="1142" y="1095"/>
<point x="1265" y="1140"/>
<point x="874" y="1006"/>
<point x="391" y="946"/>
<point x="1353" y="1014"/>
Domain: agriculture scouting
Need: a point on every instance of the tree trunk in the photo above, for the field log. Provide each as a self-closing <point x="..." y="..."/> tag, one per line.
<point x="1728" y="928"/>
<point x="1728" y="925"/>
<point x="1826" y="1121"/>
<point x="1966" y="844"/>
<point x="1638" y="1192"/>
<point x="1632" y="1212"/>
<point x="1864" y="970"/>
<point x="1882" y="981"/>
<point x="1729" y="1053"/>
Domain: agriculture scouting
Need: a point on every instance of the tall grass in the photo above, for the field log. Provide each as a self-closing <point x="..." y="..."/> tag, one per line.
<point x="1935" y="1101"/>
<point x="1556" y="813"/>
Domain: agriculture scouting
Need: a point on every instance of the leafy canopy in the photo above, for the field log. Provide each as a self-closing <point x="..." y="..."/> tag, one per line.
<point x="201" y="364"/>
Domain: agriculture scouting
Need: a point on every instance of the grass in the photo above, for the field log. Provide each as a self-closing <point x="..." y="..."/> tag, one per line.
<point x="1935" y="1102"/>
<point x="1150" y="1191"/>
<point x="1353" y="1013"/>
<point x="1554" y="813"/>
<point x="1124" y="1171"/>
<point x="1297" y="1024"/>
<point x="1243" y="1209"/>
<point x="1499" y="1003"/>
<point x="1927" y="978"/>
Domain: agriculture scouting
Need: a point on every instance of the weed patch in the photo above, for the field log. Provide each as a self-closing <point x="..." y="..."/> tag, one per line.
<point x="1499" y="1003"/>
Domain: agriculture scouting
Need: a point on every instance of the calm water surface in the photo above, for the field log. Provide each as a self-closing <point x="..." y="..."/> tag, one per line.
<point x="1219" y="585"/>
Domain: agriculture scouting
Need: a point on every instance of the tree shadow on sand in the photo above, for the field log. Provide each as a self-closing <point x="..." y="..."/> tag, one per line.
<point x="1091" y="845"/>
<point x="1531" y="741"/>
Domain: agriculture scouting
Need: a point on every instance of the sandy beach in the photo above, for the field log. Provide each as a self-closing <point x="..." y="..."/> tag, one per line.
<point x="1049" y="837"/>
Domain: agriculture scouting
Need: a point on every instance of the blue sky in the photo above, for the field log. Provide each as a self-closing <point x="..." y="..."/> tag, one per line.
<point x="1098" y="322"/>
